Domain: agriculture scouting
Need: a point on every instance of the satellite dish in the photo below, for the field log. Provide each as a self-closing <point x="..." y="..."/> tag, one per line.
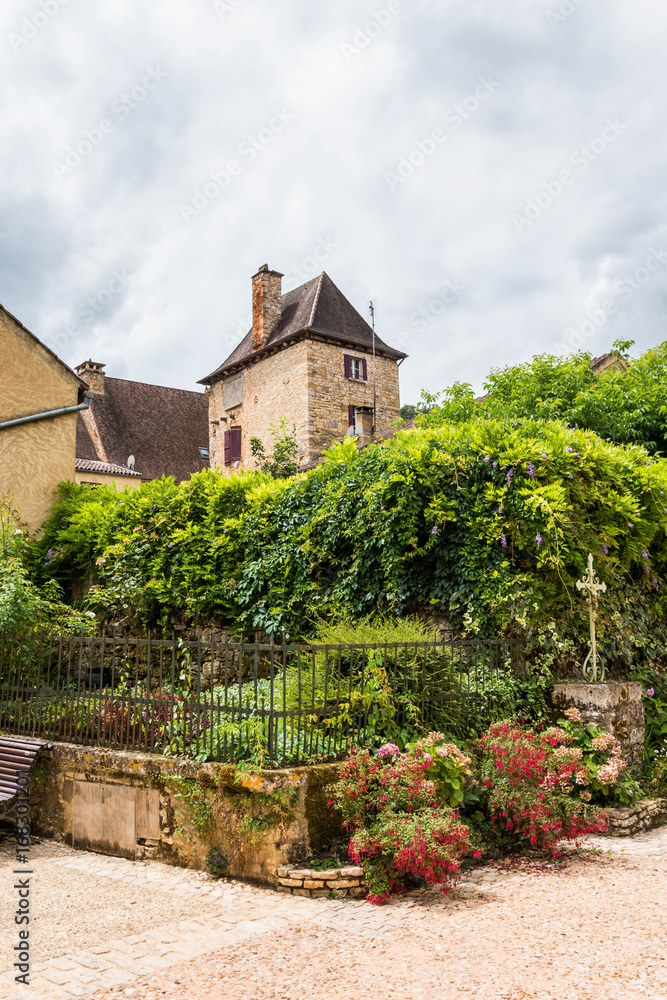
<point x="130" y="462"/>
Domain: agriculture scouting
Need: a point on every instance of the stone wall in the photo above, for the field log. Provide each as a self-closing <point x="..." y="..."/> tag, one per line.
<point x="144" y="806"/>
<point x="626" y="821"/>
<point x="615" y="707"/>
<point x="301" y="881"/>
<point x="304" y="382"/>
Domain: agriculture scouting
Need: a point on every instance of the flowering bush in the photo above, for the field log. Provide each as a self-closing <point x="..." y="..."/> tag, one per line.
<point x="398" y="824"/>
<point x="427" y="844"/>
<point x="531" y="778"/>
<point x="448" y="767"/>
<point x="603" y="772"/>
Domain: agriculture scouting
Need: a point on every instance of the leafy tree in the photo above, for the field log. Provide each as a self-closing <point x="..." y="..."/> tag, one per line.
<point x="281" y="464"/>
<point x="623" y="406"/>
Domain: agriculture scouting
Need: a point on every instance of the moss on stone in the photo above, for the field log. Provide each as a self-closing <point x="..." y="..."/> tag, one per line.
<point x="322" y="827"/>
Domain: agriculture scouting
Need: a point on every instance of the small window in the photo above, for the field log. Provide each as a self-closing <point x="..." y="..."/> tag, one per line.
<point x="203" y="453"/>
<point x="355" y="368"/>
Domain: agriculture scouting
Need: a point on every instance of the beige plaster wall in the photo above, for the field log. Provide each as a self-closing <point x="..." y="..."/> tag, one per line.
<point x="305" y="383"/>
<point x="34" y="458"/>
<point x="120" y="482"/>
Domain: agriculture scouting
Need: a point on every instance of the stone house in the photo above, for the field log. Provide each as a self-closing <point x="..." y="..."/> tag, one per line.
<point x="134" y="432"/>
<point x="309" y="358"/>
<point x="40" y="397"/>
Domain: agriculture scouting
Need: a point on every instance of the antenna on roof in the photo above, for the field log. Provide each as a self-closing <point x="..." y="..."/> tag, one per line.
<point x="371" y="309"/>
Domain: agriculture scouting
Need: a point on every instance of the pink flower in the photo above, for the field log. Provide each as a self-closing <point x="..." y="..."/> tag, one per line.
<point x="388" y="750"/>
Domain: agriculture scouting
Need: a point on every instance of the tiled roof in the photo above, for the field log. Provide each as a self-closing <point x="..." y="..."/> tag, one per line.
<point x="163" y="428"/>
<point x="316" y="307"/>
<point x="105" y="468"/>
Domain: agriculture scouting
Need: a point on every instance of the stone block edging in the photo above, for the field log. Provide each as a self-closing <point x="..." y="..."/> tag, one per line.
<point x="342" y="882"/>
<point x="625" y="821"/>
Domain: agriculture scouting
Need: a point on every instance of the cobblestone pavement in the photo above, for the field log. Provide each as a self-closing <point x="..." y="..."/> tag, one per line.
<point x="590" y="927"/>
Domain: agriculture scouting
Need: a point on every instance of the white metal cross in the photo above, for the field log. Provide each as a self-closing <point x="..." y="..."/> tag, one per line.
<point x="592" y="586"/>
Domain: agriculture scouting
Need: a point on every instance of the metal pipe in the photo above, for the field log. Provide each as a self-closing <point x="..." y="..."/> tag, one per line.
<point x="48" y="413"/>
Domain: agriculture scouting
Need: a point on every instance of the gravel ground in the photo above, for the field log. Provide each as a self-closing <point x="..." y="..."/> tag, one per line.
<point x="591" y="927"/>
<point x="81" y="909"/>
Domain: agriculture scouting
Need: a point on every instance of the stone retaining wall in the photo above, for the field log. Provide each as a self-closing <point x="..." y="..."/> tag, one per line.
<point x="142" y="806"/>
<point x="629" y="820"/>
<point x="344" y="882"/>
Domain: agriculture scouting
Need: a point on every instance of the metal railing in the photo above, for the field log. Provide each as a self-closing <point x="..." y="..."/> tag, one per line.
<point x="274" y="704"/>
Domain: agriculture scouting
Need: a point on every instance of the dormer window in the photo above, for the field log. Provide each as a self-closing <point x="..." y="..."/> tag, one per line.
<point x="356" y="368"/>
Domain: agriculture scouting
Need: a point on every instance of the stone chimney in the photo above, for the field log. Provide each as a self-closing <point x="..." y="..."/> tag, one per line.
<point x="266" y="305"/>
<point x="92" y="372"/>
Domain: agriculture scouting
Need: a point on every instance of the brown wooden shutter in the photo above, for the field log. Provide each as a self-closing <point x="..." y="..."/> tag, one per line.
<point x="235" y="443"/>
<point x="350" y="416"/>
<point x="364" y="363"/>
<point x="347" y="361"/>
<point x="228" y="448"/>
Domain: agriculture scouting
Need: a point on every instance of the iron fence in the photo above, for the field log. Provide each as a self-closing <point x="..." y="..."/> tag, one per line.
<point x="274" y="704"/>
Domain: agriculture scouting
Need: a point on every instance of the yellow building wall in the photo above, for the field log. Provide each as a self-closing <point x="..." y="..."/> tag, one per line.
<point x="34" y="457"/>
<point x="102" y="479"/>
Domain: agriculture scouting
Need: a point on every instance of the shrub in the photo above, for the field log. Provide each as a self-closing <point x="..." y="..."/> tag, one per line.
<point x="530" y="778"/>
<point x="217" y="863"/>
<point x="602" y="776"/>
<point x="398" y="825"/>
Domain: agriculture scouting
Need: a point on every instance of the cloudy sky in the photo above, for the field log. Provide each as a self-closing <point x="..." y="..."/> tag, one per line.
<point x="490" y="172"/>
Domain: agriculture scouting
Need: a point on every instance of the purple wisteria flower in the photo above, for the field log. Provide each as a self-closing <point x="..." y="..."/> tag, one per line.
<point x="544" y="454"/>
<point x="655" y="584"/>
<point x="503" y="541"/>
<point x="171" y="545"/>
<point x="500" y="509"/>
<point x="510" y="477"/>
<point x="388" y="750"/>
<point x="531" y="470"/>
<point x="630" y="525"/>
<point x="434" y="531"/>
<point x="650" y="692"/>
<point x="538" y="539"/>
<point x="488" y="458"/>
<point x="644" y="554"/>
<point x="604" y="548"/>
<point x="495" y="465"/>
<point x="569" y="450"/>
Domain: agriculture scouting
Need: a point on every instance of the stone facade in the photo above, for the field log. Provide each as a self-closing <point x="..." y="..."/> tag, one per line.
<point x="305" y="382"/>
<point x="615" y="707"/>
<point x="311" y="359"/>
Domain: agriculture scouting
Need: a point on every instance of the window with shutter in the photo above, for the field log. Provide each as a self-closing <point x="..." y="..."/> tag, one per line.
<point x="235" y="443"/>
<point x="347" y="361"/>
<point x="228" y="448"/>
<point x="365" y="369"/>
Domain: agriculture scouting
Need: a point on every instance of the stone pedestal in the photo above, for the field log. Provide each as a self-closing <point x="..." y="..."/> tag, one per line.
<point x="616" y="707"/>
